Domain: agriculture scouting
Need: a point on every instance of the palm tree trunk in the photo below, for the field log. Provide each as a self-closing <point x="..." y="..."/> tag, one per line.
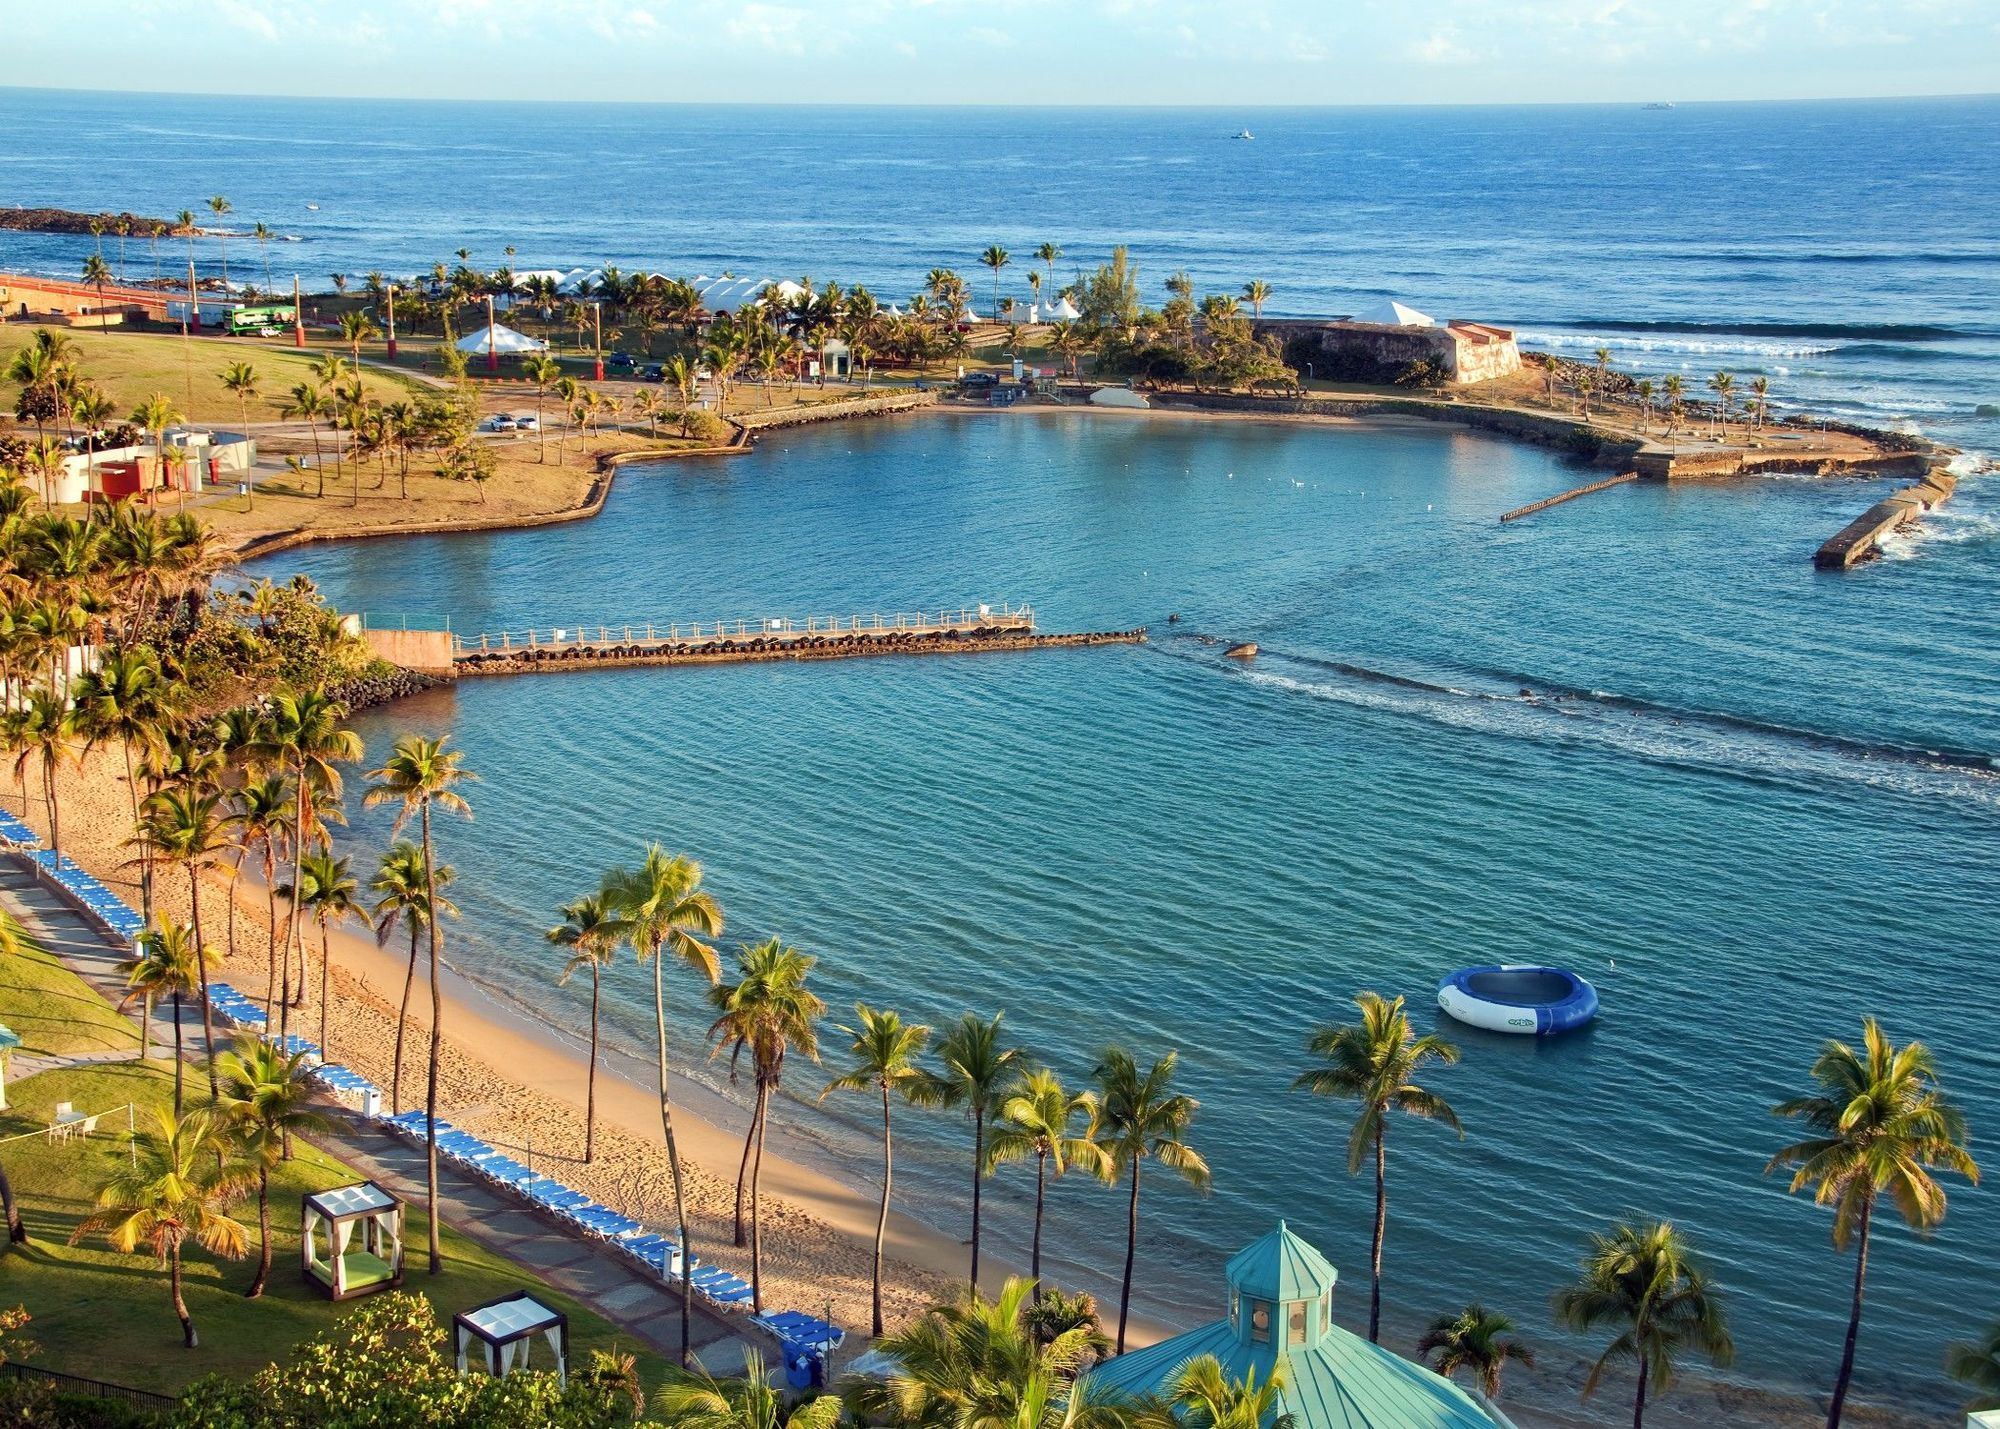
<point x="146" y="1028"/>
<point x="1853" y="1319"/>
<point x="189" y="1339"/>
<point x="271" y="948"/>
<point x="743" y="1165"/>
<point x="402" y="1021"/>
<point x="1639" y="1400"/>
<point x="1035" y="1247"/>
<point x="242" y="852"/>
<point x="295" y="932"/>
<point x="178" y="1064"/>
<point x="263" y="1234"/>
<point x="756" y="1206"/>
<point x="1381" y="1225"/>
<point x="145" y="850"/>
<point x="201" y="967"/>
<point x="590" y="1081"/>
<point x="325" y="957"/>
<point x="49" y="792"/>
<point x="437" y="1045"/>
<point x="17" y="1233"/>
<point x="1131" y="1253"/>
<point x="882" y="1216"/>
<point x="673" y="1158"/>
<point x="978" y="1163"/>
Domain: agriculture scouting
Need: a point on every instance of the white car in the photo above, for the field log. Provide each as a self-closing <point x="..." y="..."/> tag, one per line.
<point x="530" y="423"/>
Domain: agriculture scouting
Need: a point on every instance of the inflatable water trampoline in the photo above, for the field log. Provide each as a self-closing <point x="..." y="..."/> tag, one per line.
<point x="1520" y="998"/>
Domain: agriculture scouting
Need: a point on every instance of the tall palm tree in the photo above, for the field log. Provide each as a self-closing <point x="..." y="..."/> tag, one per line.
<point x="1203" y="1396"/>
<point x="127" y="697"/>
<point x="697" y="1399"/>
<point x="1040" y="1118"/>
<point x="885" y="1050"/>
<point x="330" y="892"/>
<point x="220" y="206"/>
<point x="409" y="890"/>
<point x="241" y="378"/>
<point x="184" y="826"/>
<point x="768" y="1012"/>
<point x="98" y="272"/>
<point x="1256" y="293"/>
<point x="544" y="371"/>
<point x="996" y="258"/>
<point x="356" y="328"/>
<point x="263" y="805"/>
<point x="1880" y="1125"/>
<point x="667" y="913"/>
<point x="1476" y="1340"/>
<point x="266" y="1099"/>
<point x="978" y="1072"/>
<point x="1673" y="387"/>
<point x="153" y="416"/>
<point x="176" y="1188"/>
<point x="165" y="963"/>
<point x="1760" y="400"/>
<point x="419" y="775"/>
<point x="1376" y="1062"/>
<point x="262" y="233"/>
<point x="1724" y="387"/>
<point x="46" y="731"/>
<point x="1141" y="1116"/>
<point x="309" y="404"/>
<point x="1048" y="253"/>
<point x="590" y="933"/>
<point x="1643" y="1280"/>
<point x="1978" y="1365"/>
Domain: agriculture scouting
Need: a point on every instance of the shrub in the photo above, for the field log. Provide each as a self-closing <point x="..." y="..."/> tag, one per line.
<point x="1583" y="443"/>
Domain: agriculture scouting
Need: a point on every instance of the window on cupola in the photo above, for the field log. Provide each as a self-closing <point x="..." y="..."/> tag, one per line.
<point x="1295" y="1329"/>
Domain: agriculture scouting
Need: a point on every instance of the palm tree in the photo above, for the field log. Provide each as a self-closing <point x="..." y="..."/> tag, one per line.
<point x="1376" y="1063"/>
<point x="668" y="913"/>
<point x="1603" y="356"/>
<point x="885" y="1051"/>
<point x="262" y="804"/>
<point x="1048" y="253"/>
<point x="309" y="404"/>
<point x="1643" y="390"/>
<point x="768" y="1011"/>
<point x="128" y="698"/>
<point x="590" y="932"/>
<point x="1476" y="1340"/>
<point x="176" y="1188"/>
<point x="1672" y="389"/>
<point x="185" y="826"/>
<point x="1202" y="1396"/>
<point x="408" y="886"/>
<point x="419" y="775"/>
<point x="1643" y="1280"/>
<point x="1879" y="1125"/>
<point x="97" y="271"/>
<point x="165" y="963"/>
<point x="1140" y="1116"/>
<point x="697" y="1399"/>
<point x="1039" y="1119"/>
<point x="1978" y="1365"/>
<point x="266" y="1098"/>
<point x="241" y="378"/>
<point x="1256" y="293"/>
<point x="1760" y="400"/>
<point x="153" y="416"/>
<point x="978" y="1072"/>
<point x="329" y="891"/>
<point x="220" y="206"/>
<point x="356" y="328"/>
<point x="45" y="729"/>
<point x="1724" y="388"/>
<point x="263" y="236"/>
<point x="996" y="258"/>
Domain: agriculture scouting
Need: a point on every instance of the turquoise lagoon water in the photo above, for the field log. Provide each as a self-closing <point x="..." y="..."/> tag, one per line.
<point x="1751" y="801"/>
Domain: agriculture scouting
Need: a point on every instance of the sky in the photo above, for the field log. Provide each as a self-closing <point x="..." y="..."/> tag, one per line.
<point x="1207" y="52"/>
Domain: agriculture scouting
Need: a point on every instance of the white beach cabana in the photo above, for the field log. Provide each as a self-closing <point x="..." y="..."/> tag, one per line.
<point x="1390" y="313"/>
<point x="505" y="341"/>
<point x="504" y="1329"/>
<point x="1062" y="310"/>
<point x="726" y="295"/>
<point x="331" y="1218"/>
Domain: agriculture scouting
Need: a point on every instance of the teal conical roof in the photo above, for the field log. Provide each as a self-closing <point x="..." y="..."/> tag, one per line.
<point x="1281" y="1266"/>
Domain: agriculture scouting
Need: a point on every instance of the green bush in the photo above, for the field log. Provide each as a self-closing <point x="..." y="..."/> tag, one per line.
<point x="1583" y="443"/>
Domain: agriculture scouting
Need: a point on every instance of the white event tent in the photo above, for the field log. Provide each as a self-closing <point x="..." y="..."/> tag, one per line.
<point x="504" y="340"/>
<point x="1389" y="313"/>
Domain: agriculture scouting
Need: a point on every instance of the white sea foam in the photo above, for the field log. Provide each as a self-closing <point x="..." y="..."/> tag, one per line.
<point x="1705" y="346"/>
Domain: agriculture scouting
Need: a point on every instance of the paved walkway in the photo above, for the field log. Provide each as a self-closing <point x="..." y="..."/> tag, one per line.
<point x="637" y="1303"/>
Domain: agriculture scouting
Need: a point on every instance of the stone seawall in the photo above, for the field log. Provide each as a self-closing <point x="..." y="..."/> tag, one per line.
<point x="779" y="417"/>
<point x="545" y="660"/>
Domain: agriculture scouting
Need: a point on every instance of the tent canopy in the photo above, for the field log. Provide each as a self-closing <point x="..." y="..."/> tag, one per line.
<point x="505" y="339"/>
<point x="1390" y="313"/>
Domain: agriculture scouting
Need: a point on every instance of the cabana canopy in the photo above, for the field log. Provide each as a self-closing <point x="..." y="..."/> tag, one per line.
<point x="346" y="1271"/>
<point x="507" y="1325"/>
<point x="1389" y="313"/>
<point x="505" y="339"/>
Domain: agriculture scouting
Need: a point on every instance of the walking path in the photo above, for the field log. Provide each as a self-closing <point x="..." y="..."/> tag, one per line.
<point x="637" y="1303"/>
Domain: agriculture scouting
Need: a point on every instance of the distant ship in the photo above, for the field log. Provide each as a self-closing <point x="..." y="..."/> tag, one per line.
<point x="1661" y="104"/>
<point x="313" y="206"/>
<point x="1246" y="134"/>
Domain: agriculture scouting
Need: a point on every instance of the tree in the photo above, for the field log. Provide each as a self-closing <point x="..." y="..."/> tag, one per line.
<point x="329" y="890"/>
<point x="263" y="802"/>
<point x="266" y="1099"/>
<point x="1048" y="253"/>
<point x="45" y="728"/>
<point x="667" y="913"/>
<point x="356" y="328"/>
<point x="127" y="697"/>
<point x="768" y="1011"/>
<point x="164" y="964"/>
<point x="884" y="1051"/>
<point x="978" y="1071"/>
<point x="1978" y="1365"/>
<point x="421" y="774"/>
<point x="1256" y="293"/>
<point x="1476" y="1340"/>
<point x="409" y="890"/>
<point x="220" y="206"/>
<point x="1039" y="1119"/>
<point x="97" y="271"/>
<point x="1203" y="1396"/>
<point x="1376" y="1063"/>
<point x="153" y="416"/>
<point x="1643" y="1280"/>
<point x="1724" y="388"/>
<point x="996" y="258"/>
<point x="590" y="934"/>
<point x="177" y="1188"/>
<point x="309" y="404"/>
<point x="1760" y="400"/>
<point x="697" y="1399"/>
<point x="1879" y="1125"/>
<point x="241" y="378"/>
<point x="1140" y="1116"/>
<point x="185" y="826"/>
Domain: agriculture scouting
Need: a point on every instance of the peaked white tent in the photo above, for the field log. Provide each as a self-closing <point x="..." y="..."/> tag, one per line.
<point x="504" y="340"/>
<point x="1390" y="313"/>
<point x="1061" y="311"/>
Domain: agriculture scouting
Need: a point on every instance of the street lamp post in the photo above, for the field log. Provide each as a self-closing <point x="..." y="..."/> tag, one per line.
<point x="392" y="322"/>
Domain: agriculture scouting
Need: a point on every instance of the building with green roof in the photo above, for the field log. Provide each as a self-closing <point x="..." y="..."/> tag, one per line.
<point x="1280" y="1318"/>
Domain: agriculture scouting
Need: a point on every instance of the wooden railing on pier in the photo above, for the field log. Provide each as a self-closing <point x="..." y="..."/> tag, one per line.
<point x="1546" y="502"/>
<point x="696" y="634"/>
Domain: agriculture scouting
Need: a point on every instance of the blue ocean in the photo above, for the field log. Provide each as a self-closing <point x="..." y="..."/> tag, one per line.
<point x="1638" y="735"/>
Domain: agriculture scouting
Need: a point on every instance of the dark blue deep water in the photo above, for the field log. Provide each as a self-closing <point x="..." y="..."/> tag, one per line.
<point x="1766" y="795"/>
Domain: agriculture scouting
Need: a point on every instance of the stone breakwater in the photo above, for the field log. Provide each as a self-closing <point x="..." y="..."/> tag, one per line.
<point x="555" y="660"/>
<point x="380" y="686"/>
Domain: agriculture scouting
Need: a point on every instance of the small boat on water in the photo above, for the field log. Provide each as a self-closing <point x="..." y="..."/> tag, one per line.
<point x="1246" y="134"/>
<point x="1521" y="998"/>
<point x="313" y="206"/>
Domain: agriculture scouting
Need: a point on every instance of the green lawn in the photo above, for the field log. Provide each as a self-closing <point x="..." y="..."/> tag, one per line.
<point x="106" y="1315"/>
<point x="56" y="1012"/>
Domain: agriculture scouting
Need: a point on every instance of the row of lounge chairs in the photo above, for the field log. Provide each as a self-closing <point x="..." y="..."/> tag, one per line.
<point x="98" y="901"/>
<point x="17" y="833"/>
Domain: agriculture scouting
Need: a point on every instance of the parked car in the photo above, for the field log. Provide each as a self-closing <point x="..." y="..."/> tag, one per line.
<point x="980" y="379"/>
<point x="528" y="423"/>
<point x="619" y="362"/>
<point x="654" y="373"/>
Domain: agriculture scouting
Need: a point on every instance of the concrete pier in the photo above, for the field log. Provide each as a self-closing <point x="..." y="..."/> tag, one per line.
<point x="1857" y="540"/>
<point x="1546" y="502"/>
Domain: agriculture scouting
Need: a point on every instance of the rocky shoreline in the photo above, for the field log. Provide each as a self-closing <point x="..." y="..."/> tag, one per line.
<point x="64" y="220"/>
<point x="380" y="686"/>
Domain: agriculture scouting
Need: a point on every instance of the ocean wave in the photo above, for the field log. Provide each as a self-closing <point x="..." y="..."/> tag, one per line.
<point x="1586" y="342"/>
<point x="1892" y="332"/>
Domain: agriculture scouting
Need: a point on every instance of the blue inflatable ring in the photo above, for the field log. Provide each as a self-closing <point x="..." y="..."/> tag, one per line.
<point x="1521" y="998"/>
